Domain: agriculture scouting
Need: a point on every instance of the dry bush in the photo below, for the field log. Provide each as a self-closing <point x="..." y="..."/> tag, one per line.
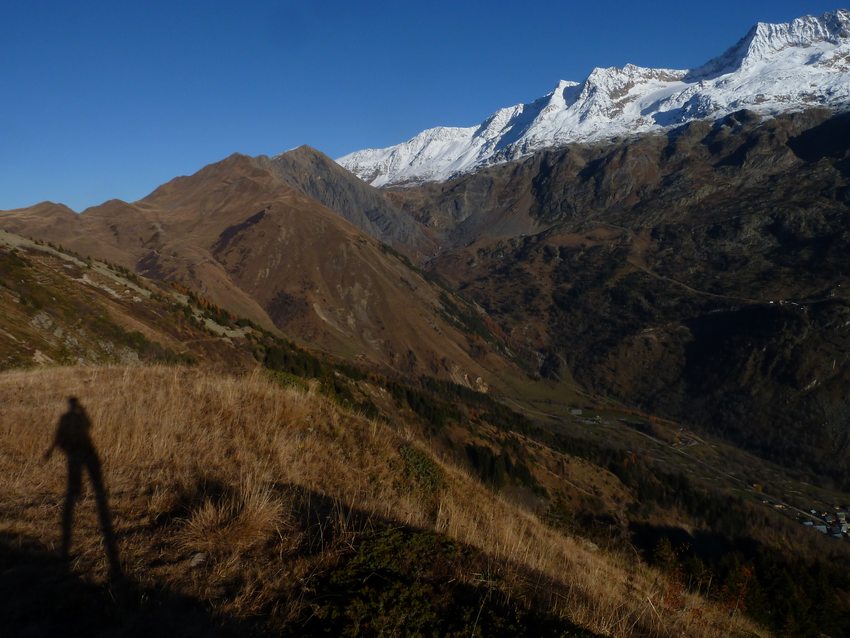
<point x="214" y="464"/>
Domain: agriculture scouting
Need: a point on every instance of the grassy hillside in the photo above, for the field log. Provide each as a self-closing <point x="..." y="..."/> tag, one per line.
<point x="241" y="505"/>
<point x="60" y="308"/>
<point x="640" y="489"/>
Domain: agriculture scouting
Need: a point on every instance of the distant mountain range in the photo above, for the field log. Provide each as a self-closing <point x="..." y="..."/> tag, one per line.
<point x="773" y="69"/>
<point x="697" y="271"/>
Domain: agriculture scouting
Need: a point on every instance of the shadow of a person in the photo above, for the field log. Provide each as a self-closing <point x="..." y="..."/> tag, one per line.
<point x="72" y="437"/>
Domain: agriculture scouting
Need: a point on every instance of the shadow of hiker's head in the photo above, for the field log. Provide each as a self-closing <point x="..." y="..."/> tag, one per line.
<point x="76" y="408"/>
<point x="73" y="425"/>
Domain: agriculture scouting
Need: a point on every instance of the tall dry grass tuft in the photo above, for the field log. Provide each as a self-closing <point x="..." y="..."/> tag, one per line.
<point x="233" y="522"/>
<point x="242" y="470"/>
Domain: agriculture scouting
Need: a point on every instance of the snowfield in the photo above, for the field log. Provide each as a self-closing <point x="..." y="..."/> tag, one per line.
<point x="774" y="68"/>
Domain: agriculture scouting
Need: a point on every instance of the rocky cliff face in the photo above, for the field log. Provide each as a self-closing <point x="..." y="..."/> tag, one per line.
<point x="320" y="178"/>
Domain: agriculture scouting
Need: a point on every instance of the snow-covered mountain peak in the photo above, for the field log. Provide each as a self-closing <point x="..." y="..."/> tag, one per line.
<point x="774" y="68"/>
<point x="614" y="83"/>
<point x="563" y="85"/>
<point x="628" y="73"/>
<point x="764" y="40"/>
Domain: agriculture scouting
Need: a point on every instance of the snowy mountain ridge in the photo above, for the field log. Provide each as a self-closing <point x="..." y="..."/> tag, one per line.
<point x="774" y="68"/>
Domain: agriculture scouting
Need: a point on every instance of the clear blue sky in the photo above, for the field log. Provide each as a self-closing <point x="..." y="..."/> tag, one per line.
<point x="110" y="99"/>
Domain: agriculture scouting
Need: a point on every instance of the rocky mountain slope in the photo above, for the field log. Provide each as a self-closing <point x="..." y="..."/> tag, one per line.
<point x="319" y="177"/>
<point x="244" y="238"/>
<point x="701" y="273"/>
<point x="773" y="69"/>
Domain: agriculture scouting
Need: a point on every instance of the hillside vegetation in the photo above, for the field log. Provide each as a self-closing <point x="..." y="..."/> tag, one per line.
<point x="699" y="274"/>
<point x="242" y="505"/>
<point x="57" y="307"/>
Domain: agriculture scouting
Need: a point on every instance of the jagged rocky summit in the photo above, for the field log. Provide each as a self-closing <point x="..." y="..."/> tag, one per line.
<point x="774" y="68"/>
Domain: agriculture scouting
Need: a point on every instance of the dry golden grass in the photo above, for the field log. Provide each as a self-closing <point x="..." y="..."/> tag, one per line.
<point x="216" y="468"/>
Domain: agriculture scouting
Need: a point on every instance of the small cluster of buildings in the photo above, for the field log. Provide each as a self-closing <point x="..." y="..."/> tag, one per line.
<point x="834" y="524"/>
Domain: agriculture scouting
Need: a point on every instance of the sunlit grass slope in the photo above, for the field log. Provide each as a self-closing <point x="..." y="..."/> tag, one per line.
<point x="272" y="503"/>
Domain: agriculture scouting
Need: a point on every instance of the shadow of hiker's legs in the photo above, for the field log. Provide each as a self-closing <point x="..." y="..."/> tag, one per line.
<point x="109" y="542"/>
<point x="72" y="495"/>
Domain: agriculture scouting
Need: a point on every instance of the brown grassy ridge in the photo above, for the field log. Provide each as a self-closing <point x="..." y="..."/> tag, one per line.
<point x="231" y="467"/>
